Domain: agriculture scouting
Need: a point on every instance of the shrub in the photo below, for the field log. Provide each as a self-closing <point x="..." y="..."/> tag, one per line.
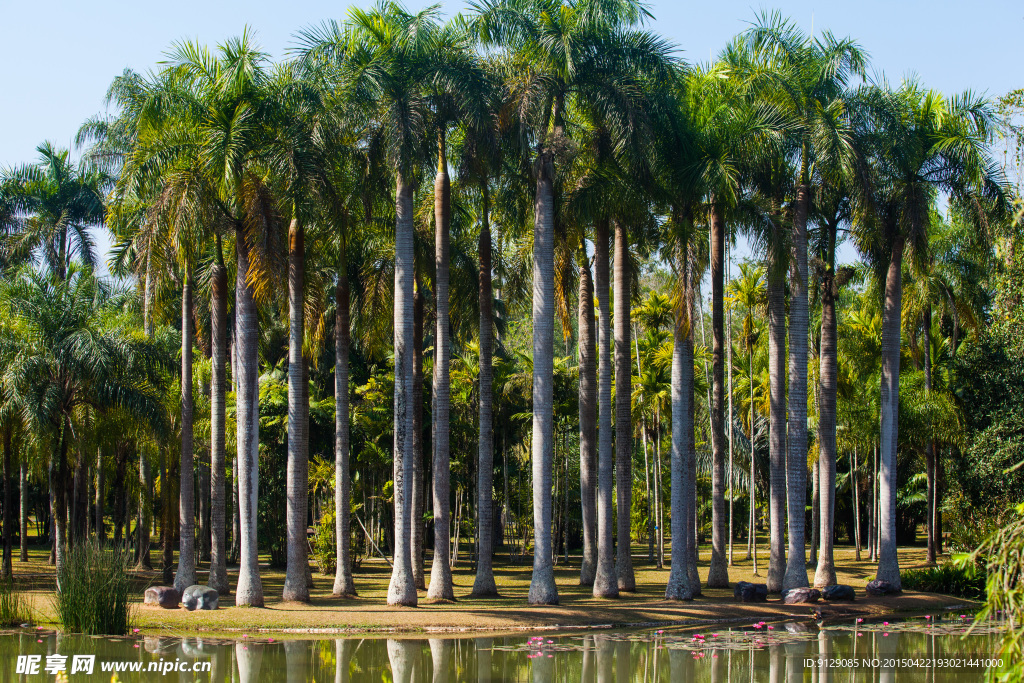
<point x="93" y="593"/>
<point x="324" y="553"/>
<point x="13" y="607"/>
<point x="959" y="580"/>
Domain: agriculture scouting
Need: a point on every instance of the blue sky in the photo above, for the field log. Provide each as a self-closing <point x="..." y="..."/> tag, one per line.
<point x="59" y="57"/>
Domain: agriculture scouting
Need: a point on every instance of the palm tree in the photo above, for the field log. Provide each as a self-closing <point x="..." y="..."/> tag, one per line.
<point x="748" y="291"/>
<point x="166" y="237"/>
<point x="51" y="205"/>
<point x="946" y="286"/>
<point x="458" y="94"/>
<point x="680" y="586"/>
<point x="62" y="355"/>
<point x="217" y="93"/>
<point x="921" y="144"/>
<point x="383" y="55"/>
<point x="805" y="78"/>
<point x="549" y="80"/>
<point x="727" y="131"/>
<point x="588" y="421"/>
<point x="832" y="208"/>
<point x="606" y="583"/>
<point x="300" y="155"/>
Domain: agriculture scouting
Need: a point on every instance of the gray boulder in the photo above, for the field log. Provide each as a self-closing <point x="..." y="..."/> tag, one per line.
<point x="879" y="588"/>
<point x="200" y="597"/>
<point x="163" y="596"/>
<point x="839" y="593"/>
<point x="750" y="592"/>
<point x="799" y="596"/>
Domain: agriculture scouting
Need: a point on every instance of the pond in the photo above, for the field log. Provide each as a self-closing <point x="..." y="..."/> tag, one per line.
<point x="933" y="648"/>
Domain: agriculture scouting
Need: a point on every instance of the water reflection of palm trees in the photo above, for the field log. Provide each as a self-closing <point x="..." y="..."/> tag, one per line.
<point x="731" y="656"/>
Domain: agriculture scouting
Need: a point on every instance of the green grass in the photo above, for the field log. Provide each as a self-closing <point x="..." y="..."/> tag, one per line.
<point x="14" y="609"/>
<point x="94" y="591"/>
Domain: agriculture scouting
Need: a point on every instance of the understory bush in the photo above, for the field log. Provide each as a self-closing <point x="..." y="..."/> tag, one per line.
<point x="959" y="580"/>
<point x="14" y="608"/>
<point x="324" y="553"/>
<point x="93" y="590"/>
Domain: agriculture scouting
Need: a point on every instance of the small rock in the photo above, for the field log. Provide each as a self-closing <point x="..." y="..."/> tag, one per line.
<point x="797" y="596"/>
<point x="750" y="592"/>
<point x="200" y="597"/>
<point x="879" y="588"/>
<point x="164" y="596"/>
<point x="839" y="592"/>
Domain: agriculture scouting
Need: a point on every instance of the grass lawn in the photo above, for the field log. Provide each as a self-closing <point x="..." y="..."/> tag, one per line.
<point x="578" y="607"/>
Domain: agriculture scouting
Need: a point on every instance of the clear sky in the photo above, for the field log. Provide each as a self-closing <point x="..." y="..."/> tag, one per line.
<point x="59" y="57"/>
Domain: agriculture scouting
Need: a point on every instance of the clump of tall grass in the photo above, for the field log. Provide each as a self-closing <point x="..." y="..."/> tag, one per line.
<point x="14" y="609"/>
<point x="93" y="590"/>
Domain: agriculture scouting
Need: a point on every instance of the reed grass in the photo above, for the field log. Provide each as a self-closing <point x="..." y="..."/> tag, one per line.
<point x="94" y="591"/>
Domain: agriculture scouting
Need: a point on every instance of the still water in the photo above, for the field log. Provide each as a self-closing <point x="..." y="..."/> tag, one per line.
<point x="923" y="649"/>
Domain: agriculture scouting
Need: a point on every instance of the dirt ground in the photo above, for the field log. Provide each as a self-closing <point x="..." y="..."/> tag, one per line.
<point x="577" y="608"/>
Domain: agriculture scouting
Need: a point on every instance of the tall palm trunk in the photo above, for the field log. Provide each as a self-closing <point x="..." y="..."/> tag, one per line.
<point x="542" y="586"/>
<point x="202" y="498"/>
<point x="250" y="587"/>
<point x="718" y="572"/>
<point x="344" y="584"/>
<point x="796" y="458"/>
<point x="418" y="491"/>
<point x="659" y="503"/>
<point x="8" y="509"/>
<point x="606" y="584"/>
<point x="218" y="384"/>
<point x="826" y="571"/>
<point x="145" y="510"/>
<point x="23" y="499"/>
<point x="297" y="473"/>
<point x="145" y="468"/>
<point x="752" y="532"/>
<point x="929" y="447"/>
<point x="623" y="413"/>
<point x="776" y="425"/>
<point x="678" y="587"/>
<point x="167" y="516"/>
<point x="888" y="563"/>
<point x="402" y="589"/>
<point x="728" y="419"/>
<point x="58" y="487"/>
<point x="484" y="584"/>
<point x="855" y="489"/>
<point x="186" y="574"/>
<point x="588" y="424"/>
<point x="690" y="290"/>
<point x="441" y="570"/>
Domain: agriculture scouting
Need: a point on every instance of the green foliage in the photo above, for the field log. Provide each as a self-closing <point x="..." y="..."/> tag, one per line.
<point x="1002" y="555"/>
<point x="14" y="609"/>
<point x="94" y="591"/>
<point x="962" y="580"/>
<point x="323" y="544"/>
<point x="984" y="482"/>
